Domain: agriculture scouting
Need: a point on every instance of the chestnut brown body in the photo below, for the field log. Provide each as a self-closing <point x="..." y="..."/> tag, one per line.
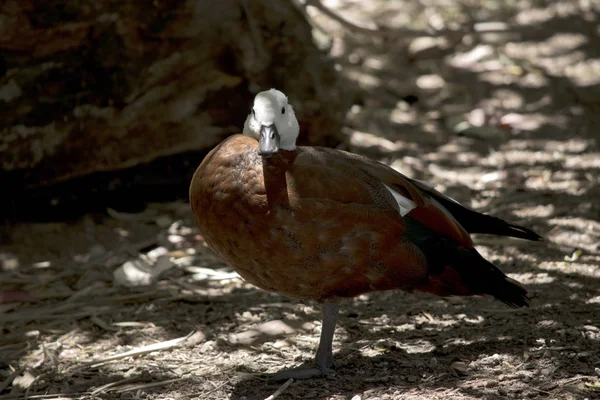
<point x="320" y="224"/>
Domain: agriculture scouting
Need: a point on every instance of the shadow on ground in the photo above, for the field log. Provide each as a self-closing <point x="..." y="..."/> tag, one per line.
<point x="506" y="122"/>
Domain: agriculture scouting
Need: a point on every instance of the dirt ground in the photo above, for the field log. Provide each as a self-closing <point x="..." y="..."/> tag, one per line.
<point x="505" y="119"/>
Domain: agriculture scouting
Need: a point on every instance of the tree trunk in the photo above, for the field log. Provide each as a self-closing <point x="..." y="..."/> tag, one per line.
<point x="107" y="85"/>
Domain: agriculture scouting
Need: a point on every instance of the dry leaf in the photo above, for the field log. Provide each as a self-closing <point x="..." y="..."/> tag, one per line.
<point x="459" y="367"/>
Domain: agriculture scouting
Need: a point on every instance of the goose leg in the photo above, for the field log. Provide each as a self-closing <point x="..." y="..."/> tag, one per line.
<point x="324" y="358"/>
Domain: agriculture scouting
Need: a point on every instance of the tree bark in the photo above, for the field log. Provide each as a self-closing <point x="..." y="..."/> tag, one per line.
<point x="108" y="85"/>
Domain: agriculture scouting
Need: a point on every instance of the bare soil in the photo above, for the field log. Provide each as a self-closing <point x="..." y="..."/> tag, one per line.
<point x="506" y="120"/>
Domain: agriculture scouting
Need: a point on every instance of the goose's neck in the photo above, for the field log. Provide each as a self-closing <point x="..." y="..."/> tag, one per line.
<point x="274" y="170"/>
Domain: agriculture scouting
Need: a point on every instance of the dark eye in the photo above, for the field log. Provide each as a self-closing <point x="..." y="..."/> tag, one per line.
<point x="283" y="110"/>
<point x="253" y="113"/>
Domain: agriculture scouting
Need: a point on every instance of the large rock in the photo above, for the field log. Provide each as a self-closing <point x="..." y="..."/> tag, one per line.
<point x="105" y="85"/>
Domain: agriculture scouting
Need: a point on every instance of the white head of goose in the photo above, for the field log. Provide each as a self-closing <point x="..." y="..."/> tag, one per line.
<point x="322" y="224"/>
<point x="272" y="122"/>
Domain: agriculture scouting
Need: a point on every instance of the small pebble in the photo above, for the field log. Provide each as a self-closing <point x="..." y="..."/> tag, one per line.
<point x="164" y="221"/>
<point x="133" y="273"/>
<point x="97" y="250"/>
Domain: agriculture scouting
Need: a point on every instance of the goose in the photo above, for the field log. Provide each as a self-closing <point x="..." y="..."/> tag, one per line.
<point x="324" y="225"/>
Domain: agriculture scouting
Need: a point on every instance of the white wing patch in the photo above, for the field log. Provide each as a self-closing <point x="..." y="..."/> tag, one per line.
<point x="405" y="205"/>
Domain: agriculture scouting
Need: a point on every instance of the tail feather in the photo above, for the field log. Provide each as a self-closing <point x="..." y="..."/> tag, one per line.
<point x="476" y="222"/>
<point x="483" y="274"/>
<point x="456" y="270"/>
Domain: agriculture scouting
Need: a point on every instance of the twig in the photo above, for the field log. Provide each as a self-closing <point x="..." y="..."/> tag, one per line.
<point x="148" y="385"/>
<point x="275" y="305"/>
<point x="557" y="348"/>
<point x="108" y="386"/>
<point x="539" y="390"/>
<point x="201" y="273"/>
<point x="15" y="346"/>
<point x="126" y="385"/>
<point x="141" y="350"/>
<point x="104" y="325"/>
<point x="203" y="395"/>
<point x="6" y="383"/>
<point x="133" y="324"/>
<point x="281" y="389"/>
<point x="146" y="295"/>
<point x="42" y="396"/>
<point x="40" y="316"/>
<point x="86" y="291"/>
<point x="502" y="310"/>
<point x="75" y="310"/>
<point x="572" y="380"/>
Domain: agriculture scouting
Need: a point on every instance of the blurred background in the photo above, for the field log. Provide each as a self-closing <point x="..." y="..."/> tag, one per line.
<point x="107" y="108"/>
